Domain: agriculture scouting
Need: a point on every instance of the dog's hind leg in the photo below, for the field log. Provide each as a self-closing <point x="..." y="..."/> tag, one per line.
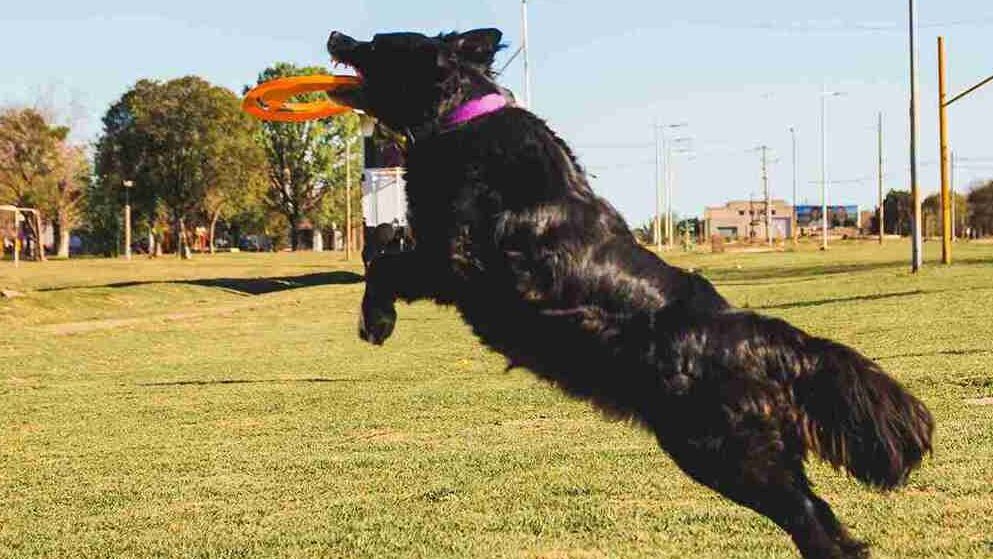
<point x="852" y="546"/>
<point x="747" y="460"/>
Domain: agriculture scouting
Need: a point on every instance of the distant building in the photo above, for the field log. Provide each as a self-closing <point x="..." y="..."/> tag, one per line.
<point x="745" y="219"/>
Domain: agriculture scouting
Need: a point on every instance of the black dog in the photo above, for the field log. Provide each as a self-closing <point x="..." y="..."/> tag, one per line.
<point x="509" y="231"/>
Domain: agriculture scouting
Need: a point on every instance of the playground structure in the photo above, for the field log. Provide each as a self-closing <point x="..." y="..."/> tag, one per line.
<point x="12" y="219"/>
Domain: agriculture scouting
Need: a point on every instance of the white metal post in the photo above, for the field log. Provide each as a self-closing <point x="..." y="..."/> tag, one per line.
<point x="917" y="251"/>
<point x="524" y="48"/>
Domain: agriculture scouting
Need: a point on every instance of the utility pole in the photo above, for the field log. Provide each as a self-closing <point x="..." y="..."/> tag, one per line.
<point x="348" y="199"/>
<point x="768" y="197"/>
<point x="951" y="187"/>
<point x="524" y="48"/>
<point x="670" y="177"/>
<point x="917" y="251"/>
<point x="657" y="225"/>
<point x="946" y="198"/>
<point x="880" y="213"/>
<point x="793" y="222"/>
<point x="824" y="174"/>
<point x="947" y="204"/>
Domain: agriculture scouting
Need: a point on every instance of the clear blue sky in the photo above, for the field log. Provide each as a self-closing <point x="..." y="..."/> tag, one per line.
<point x="739" y="73"/>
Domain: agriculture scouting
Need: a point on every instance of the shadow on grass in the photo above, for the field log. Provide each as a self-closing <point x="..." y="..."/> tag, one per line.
<point x="246" y="381"/>
<point x="746" y="275"/>
<point x="243" y="286"/>
<point x="819" y="302"/>
<point x="937" y="353"/>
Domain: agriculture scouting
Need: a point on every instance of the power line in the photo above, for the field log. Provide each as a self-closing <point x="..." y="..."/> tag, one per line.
<point x="832" y="26"/>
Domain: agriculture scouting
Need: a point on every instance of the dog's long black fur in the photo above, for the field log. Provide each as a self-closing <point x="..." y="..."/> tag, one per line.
<point x="509" y="231"/>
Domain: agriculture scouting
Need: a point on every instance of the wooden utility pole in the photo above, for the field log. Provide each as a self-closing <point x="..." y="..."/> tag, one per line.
<point x="881" y="214"/>
<point x="657" y="225"/>
<point x="768" y="198"/>
<point x="951" y="187"/>
<point x="946" y="197"/>
<point x="947" y="205"/>
<point x="348" y="199"/>
<point x="793" y="221"/>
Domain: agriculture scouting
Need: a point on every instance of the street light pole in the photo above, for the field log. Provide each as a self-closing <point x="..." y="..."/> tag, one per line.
<point x="127" y="219"/>
<point x="824" y="166"/>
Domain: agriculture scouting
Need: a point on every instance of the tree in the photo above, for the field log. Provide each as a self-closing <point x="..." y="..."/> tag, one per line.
<point x="236" y="178"/>
<point x="306" y="160"/>
<point x="186" y="145"/>
<point x="64" y="201"/>
<point x="931" y="210"/>
<point x="898" y="213"/>
<point x="980" y="201"/>
<point x="39" y="169"/>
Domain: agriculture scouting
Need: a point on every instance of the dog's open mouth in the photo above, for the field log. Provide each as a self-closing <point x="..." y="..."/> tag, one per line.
<point x="349" y="70"/>
<point x="350" y="95"/>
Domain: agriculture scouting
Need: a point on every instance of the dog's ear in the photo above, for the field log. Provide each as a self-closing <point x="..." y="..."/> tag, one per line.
<point x="478" y="46"/>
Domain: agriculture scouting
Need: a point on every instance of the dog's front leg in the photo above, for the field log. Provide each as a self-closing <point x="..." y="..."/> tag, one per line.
<point x="389" y="277"/>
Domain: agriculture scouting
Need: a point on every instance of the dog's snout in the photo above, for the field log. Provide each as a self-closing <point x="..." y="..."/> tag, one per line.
<point x="339" y="42"/>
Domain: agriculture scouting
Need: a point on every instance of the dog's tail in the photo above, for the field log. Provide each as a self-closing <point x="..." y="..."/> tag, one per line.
<point x="857" y="417"/>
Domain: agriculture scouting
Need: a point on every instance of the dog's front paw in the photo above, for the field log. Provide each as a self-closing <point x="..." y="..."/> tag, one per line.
<point x="376" y="323"/>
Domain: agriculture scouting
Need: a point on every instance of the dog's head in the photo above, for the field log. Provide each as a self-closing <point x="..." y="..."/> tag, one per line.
<point x="410" y="79"/>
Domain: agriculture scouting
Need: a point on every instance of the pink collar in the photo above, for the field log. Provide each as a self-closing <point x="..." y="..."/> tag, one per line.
<point x="471" y="110"/>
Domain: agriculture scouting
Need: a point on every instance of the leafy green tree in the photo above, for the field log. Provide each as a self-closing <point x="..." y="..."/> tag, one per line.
<point x="186" y="145"/>
<point x="980" y="201"/>
<point x="306" y="171"/>
<point x="39" y="168"/>
<point x="931" y="210"/>
<point x="898" y="214"/>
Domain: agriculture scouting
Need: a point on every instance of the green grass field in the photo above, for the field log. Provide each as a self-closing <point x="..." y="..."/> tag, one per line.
<point x="225" y="408"/>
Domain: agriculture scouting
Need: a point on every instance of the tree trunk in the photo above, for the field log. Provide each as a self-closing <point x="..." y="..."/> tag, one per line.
<point x="63" y="243"/>
<point x="213" y="228"/>
<point x="294" y="232"/>
<point x="317" y="241"/>
<point x="181" y="248"/>
<point x="36" y="230"/>
<point x="61" y="231"/>
<point x="235" y="233"/>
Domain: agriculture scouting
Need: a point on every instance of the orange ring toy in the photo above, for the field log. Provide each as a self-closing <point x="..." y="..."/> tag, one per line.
<point x="268" y="101"/>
